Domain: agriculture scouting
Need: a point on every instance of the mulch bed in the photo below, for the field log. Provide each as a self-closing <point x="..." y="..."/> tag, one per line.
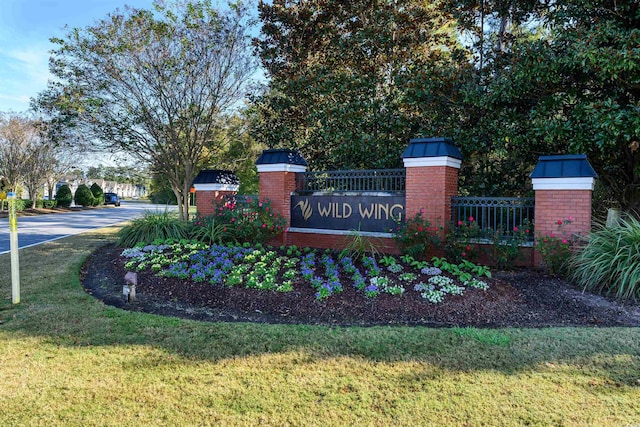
<point x="521" y="298"/>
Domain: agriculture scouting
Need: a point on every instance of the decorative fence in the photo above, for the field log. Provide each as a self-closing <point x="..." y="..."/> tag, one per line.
<point x="503" y="216"/>
<point x="361" y="181"/>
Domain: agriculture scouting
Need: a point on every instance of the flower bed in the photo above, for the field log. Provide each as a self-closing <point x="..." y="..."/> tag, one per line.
<point x="284" y="269"/>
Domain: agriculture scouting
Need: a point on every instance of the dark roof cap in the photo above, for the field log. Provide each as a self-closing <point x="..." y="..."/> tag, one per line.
<point x="216" y="176"/>
<point x="281" y="155"/>
<point x="431" y="147"/>
<point x="565" y="166"/>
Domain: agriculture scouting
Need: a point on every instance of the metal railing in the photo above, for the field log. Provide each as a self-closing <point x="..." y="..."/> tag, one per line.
<point x="372" y="180"/>
<point x="488" y="217"/>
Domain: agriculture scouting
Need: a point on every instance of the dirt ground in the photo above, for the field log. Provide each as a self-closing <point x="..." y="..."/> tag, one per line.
<point x="520" y="298"/>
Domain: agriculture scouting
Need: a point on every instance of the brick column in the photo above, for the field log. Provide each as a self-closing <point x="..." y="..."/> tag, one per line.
<point x="213" y="187"/>
<point x="432" y="166"/>
<point x="563" y="188"/>
<point x="277" y="169"/>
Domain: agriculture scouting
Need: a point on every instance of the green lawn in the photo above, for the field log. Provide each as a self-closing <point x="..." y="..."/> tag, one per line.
<point x="66" y="359"/>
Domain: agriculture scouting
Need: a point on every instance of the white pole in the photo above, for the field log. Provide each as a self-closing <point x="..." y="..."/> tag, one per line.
<point x="13" y="243"/>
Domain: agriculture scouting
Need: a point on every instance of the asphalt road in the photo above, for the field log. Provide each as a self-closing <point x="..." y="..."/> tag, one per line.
<point x="39" y="229"/>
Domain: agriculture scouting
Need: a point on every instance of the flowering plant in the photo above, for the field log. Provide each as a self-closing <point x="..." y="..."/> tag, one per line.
<point x="250" y="219"/>
<point x="459" y="243"/>
<point x="555" y="249"/>
<point x="417" y="237"/>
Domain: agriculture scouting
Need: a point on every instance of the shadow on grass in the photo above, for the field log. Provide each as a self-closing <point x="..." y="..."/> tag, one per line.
<point x="57" y="310"/>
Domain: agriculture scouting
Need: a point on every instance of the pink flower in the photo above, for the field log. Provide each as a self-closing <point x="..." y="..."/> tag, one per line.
<point x="468" y="248"/>
<point x="464" y="254"/>
<point x="471" y="218"/>
<point x="552" y="235"/>
<point x="264" y="225"/>
<point x="526" y="231"/>
<point x="515" y="229"/>
<point x="564" y="241"/>
<point x="421" y="210"/>
<point x="459" y="222"/>
<point x="570" y="218"/>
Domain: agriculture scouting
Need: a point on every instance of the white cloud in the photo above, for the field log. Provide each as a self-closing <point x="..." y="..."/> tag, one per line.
<point x="24" y="73"/>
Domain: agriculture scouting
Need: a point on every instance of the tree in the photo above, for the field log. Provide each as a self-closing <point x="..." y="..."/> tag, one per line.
<point x="153" y="84"/>
<point x="565" y="81"/>
<point x="351" y="82"/>
<point x="17" y="137"/>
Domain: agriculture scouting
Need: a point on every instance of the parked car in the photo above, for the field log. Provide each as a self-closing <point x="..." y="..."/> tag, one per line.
<point x="111" y="199"/>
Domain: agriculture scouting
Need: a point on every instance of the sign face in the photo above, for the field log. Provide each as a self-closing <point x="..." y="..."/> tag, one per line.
<point x="373" y="213"/>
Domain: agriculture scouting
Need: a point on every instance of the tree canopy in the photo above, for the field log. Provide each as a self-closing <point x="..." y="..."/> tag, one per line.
<point x="153" y="83"/>
<point x="508" y="80"/>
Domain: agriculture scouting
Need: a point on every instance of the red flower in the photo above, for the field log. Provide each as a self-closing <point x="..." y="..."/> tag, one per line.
<point x="468" y="248"/>
<point x="515" y="229"/>
<point x="459" y="222"/>
<point x="559" y="222"/>
<point x="264" y="225"/>
<point x="464" y="254"/>
<point x="420" y="228"/>
<point x="526" y="231"/>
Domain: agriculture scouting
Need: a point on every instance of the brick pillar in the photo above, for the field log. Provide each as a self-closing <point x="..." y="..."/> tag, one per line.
<point x="563" y="188"/>
<point x="277" y="169"/>
<point x="213" y="186"/>
<point x="208" y="198"/>
<point x="432" y="167"/>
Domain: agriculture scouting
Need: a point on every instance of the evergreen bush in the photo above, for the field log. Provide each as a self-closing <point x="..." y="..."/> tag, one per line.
<point x="64" y="196"/>
<point x="98" y="194"/>
<point x="84" y="196"/>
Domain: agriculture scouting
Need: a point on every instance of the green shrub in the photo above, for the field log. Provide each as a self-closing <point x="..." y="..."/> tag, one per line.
<point x="555" y="249"/>
<point x="22" y="204"/>
<point x="610" y="261"/>
<point x="251" y="220"/>
<point x="98" y="194"/>
<point x="63" y="196"/>
<point x="49" y="204"/>
<point x="417" y="237"/>
<point x="153" y="226"/>
<point x="83" y="196"/>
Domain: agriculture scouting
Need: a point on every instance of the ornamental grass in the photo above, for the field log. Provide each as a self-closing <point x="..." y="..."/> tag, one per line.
<point x="610" y="262"/>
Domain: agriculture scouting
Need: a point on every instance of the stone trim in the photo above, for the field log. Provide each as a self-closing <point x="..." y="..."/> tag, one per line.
<point x="584" y="183"/>
<point x="413" y="162"/>
<point x="281" y="167"/>
<point x="216" y="187"/>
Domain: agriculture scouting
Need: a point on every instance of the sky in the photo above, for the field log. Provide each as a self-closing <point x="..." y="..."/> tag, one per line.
<point x="25" y="29"/>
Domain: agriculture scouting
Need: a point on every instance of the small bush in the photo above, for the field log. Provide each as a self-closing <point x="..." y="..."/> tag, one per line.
<point x="64" y="196"/>
<point x="49" y="204"/>
<point x="83" y="196"/>
<point x="98" y="194"/>
<point x="610" y="261"/>
<point x="555" y="249"/>
<point x="417" y="237"/>
<point x="22" y="204"/>
<point x="153" y="226"/>
<point x="251" y="220"/>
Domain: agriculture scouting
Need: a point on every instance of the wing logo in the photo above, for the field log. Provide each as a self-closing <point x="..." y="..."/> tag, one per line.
<point x="305" y="208"/>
